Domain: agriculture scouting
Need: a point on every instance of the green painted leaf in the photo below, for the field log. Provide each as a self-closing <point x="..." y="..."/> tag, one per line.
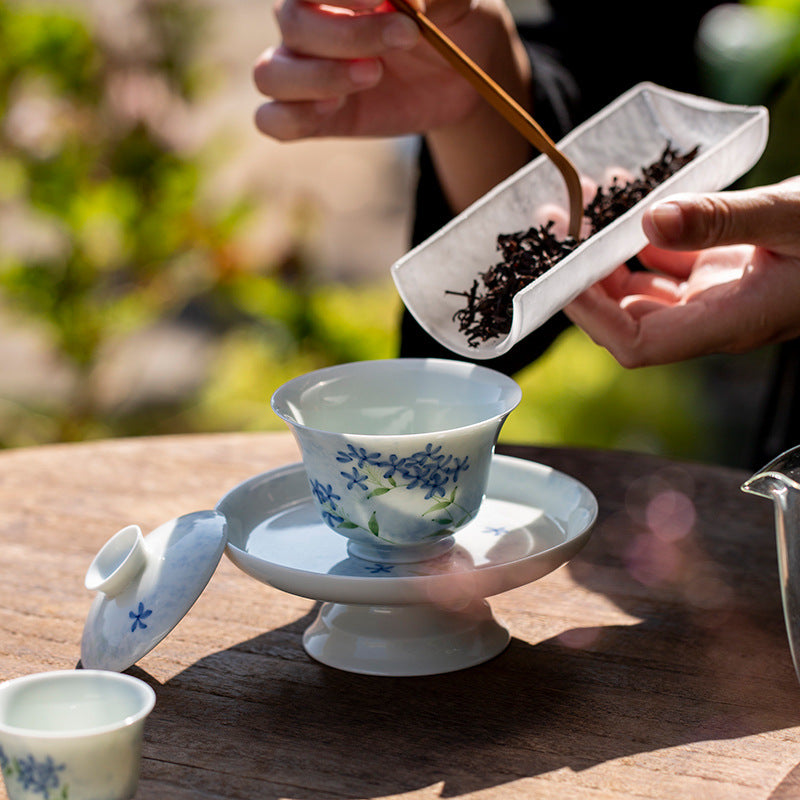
<point x="444" y="520"/>
<point x="348" y="525"/>
<point x="376" y="492"/>
<point x="373" y="524"/>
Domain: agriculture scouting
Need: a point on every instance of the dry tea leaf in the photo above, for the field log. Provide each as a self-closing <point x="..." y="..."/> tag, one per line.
<point x="529" y="254"/>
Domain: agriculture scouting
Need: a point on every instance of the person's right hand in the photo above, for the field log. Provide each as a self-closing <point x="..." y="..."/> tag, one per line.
<point x="359" y="68"/>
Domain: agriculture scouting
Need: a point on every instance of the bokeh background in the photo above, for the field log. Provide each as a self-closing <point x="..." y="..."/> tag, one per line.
<point x="163" y="267"/>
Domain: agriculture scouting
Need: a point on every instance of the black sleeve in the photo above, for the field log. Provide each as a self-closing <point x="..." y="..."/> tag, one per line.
<point x="607" y="48"/>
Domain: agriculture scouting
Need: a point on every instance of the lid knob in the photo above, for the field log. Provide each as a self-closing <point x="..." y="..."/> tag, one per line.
<point x="118" y="563"/>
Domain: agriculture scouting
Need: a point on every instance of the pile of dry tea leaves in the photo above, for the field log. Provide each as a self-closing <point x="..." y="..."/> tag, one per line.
<point x="529" y="254"/>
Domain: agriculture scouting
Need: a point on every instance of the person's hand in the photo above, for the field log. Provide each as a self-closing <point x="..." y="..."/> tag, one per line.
<point x="724" y="277"/>
<point x="359" y="68"/>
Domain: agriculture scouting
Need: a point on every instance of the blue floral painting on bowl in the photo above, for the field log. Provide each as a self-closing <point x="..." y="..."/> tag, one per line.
<point x="367" y="474"/>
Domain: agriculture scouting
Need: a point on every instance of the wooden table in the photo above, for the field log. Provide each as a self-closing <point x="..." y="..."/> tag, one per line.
<point x="654" y="665"/>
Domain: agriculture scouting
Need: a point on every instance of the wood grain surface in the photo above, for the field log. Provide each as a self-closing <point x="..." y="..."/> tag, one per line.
<point x="654" y="665"/>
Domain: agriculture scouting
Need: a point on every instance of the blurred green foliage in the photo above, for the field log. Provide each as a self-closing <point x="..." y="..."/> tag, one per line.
<point x="782" y="96"/>
<point x="85" y="156"/>
<point x="125" y="243"/>
<point x="749" y="53"/>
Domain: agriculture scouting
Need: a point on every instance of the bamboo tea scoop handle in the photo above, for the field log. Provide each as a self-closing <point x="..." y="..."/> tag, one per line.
<point x="502" y="102"/>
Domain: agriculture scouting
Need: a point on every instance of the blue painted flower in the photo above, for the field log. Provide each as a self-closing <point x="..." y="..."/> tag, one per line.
<point x="359" y="455"/>
<point x="317" y="490"/>
<point x="140" y="615"/>
<point x="430" y="452"/>
<point x="392" y="464"/>
<point x="442" y="462"/>
<point x="334" y="520"/>
<point x="416" y="474"/>
<point x="355" y="479"/>
<point x="377" y="568"/>
<point x="39" y="776"/>
<point x="459" y="466"/>
<point x="324" y="494"/>
<point x="3" y="759"/>
<point x="413" y="462"/>
<point x="435" y="484"/>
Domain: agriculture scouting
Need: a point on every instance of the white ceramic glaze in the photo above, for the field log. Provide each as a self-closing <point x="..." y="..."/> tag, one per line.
<point x="397" y="451"/>
<point x="628" y="134"/>
<point x="418" y="618"/>
<point x="72" y="735"/>
<point x="403" y="641"/>
<point x="145" y="586"/>
<point x="118" y="563"/>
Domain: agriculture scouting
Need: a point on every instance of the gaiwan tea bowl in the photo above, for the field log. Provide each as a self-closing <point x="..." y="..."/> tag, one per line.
<point x="397" y="452"/>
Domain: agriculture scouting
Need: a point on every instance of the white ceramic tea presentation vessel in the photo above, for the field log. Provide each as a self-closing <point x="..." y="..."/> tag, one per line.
<point x="628" y="134"/>
<point x="73" y="735"/>
<point x="421" y="618"/>
<point x="400" y="518"/>
<point x="397" y="451"/>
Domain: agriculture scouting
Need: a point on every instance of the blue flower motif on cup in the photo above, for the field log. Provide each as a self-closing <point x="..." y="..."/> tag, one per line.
<point x="431" y="471"/>
<point x="334" y="520"/>
<point x="359" y="455"/>
<point x="324" y="494"/>
<point x="393" y="464"/>
<point x="355" y="478"/>
<point x="38" y="777"/>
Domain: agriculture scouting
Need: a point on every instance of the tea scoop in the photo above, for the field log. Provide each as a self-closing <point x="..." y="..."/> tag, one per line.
<point x="628" y="134"/>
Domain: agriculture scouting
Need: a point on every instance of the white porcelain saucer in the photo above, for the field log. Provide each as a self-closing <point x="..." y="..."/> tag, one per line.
<point x="408" y="619"/>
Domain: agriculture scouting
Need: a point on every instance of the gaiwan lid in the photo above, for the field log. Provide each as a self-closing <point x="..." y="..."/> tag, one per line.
<point x="146" y="585"/>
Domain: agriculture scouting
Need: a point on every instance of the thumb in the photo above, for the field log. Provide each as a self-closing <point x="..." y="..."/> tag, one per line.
<point x="768" y="216"/>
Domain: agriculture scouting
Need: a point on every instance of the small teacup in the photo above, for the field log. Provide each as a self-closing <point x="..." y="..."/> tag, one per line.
<point x="73" y="735"/>
<point x="397" y="452"/>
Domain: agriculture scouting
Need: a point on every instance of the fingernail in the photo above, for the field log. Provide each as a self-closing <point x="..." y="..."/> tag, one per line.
<point x="365" y="73"/>
<point x="667" y="219"/>
<point x="400" y="32"/>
